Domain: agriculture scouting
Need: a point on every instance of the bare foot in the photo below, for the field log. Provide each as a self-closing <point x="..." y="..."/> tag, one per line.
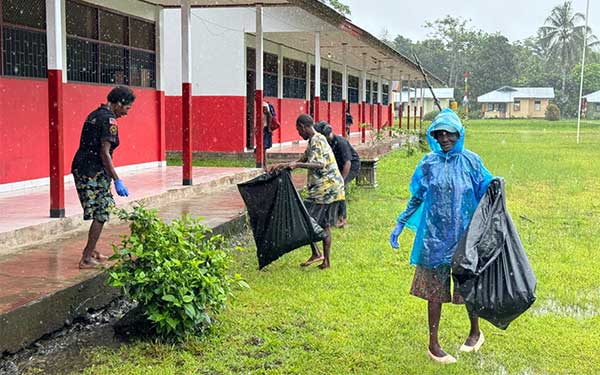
<point x="324" y="265"/>
<point x="312" y="259"/>
<point x="100" y="257"/>
<point x="89" y="263"/>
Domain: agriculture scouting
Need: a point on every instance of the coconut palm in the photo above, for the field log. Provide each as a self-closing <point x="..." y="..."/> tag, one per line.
<point x="562" y="36"/>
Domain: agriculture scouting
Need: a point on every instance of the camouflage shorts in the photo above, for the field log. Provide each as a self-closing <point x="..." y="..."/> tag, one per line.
<point x="95" y="196"/>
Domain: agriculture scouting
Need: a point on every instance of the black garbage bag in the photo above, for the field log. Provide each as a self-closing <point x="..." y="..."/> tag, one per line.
<point x="280" y="222"/>
<point x="490" y="267"/>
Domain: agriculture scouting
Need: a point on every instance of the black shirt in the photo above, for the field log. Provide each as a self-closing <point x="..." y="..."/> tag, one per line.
<point x="99" y="126"/>
<point x="343" y="151"/>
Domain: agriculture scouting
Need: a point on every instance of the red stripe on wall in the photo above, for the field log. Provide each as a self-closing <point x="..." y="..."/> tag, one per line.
<point x="291" y="108"/>
<point x="336" y="117"/>
<point x="219" y="123"/>
<point x="24" y="154"/>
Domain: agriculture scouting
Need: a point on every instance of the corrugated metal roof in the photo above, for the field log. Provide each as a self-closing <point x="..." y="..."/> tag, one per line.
<point x="507" y="94"/>
<point x="593" y="97"/>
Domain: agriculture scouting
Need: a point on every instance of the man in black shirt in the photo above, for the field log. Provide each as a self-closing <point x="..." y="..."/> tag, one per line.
<point x="346" y="158"/>
<point x="93" y="169"/>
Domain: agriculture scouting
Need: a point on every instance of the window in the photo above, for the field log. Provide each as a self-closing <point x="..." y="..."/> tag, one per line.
<point x="107" y="47"/>
<point x="537" y="105"/>
<point x="517" y="106"/>
<point x="324" y="82"/>
<point x="270" y="68"/>
<point x="375" y="92"/>
<point x="368" y="98"/>
<point x="490" y="106"/>
<point x="385" y="95"/>
<point x="598" y="107"/>
<point x="23" y="33"/>
<point x="336" y="86"/>
<point x="352" y="89"/>
<point x="294" y="79"/>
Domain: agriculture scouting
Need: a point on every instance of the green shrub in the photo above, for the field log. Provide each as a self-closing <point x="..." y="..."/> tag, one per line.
<point x="429" y="116"/>
<point x="552" y="112"/>
<point x="177" y="272"/>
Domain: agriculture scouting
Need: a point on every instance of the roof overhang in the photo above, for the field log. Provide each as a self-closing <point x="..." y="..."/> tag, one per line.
<point x="341" y="31"/>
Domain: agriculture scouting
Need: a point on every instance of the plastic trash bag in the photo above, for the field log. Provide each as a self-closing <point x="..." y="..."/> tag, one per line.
<point x="490" y="267"/>
<point x="280" y="222"/>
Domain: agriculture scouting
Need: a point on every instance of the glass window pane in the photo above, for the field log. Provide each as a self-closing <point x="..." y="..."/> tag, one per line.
<point x="113" y="28"/>
<point x="142" y="72"/>
<point x="82" y="60"/>
<point x="30" y="13"/>
<point x="82" y="20"/>
<point x="24" y="52"/>
<point x="113" y="65"/>
<point x="270" y="63"/>
<point x="142" y="34"/>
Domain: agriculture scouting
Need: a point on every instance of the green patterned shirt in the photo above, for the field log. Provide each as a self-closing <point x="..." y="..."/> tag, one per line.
<point x="325" y="185"/>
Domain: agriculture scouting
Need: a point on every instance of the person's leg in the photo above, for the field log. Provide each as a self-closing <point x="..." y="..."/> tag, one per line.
<point x="434" y="313"/>
<point x="87" y="259"/>
<point x="326" y="249"/>
<point x="474" y="333"/>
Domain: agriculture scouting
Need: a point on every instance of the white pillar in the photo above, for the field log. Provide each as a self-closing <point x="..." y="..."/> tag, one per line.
<point x="391" y="88"/>
<point x="160" y="48"/>
<point x="308" y="77"/>
<point x="329" y="76"/>
<point x="379" y="84"/>
<point x="280" y="72"/>
<point x="345" y="72"/>
<point x="363" y="79"/>
<point x="318" y="64"/>
<point x="186" y="42"/>
<point x="259" y="46"/>
<point x="54" y="37"/>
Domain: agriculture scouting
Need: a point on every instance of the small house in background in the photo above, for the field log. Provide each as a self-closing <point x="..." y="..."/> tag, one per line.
<point x="516" y="102"/>
<point x="444" y="94"/>
<point x="592" y="105"/>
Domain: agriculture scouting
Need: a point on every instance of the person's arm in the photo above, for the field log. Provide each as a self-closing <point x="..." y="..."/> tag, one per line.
<point x="107" y="159"/>
<point x="346" y="169"/>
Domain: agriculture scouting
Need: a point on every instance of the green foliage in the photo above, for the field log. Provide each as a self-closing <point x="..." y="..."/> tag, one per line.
<point x="339" y="6"/>
<point x="429" y="116"/>
<point x="178" y="272"/>
<point x="358" y="316"/>
<point x="552" y="112"/>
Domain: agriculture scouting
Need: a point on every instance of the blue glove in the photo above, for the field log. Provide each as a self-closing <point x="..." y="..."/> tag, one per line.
<point x="120" y="188"/>
<point x="395" y="234"/>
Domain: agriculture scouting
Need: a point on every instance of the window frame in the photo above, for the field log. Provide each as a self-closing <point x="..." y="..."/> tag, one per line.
<point x="517" y="105"/>
<point x="490" y="107"/>
<point x="537" y="105"/>
<point x="127" y="48"/>
<point x="294" y="71"/>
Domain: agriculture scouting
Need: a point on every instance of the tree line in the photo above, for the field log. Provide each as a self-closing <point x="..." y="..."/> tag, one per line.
<point x="551" y="58"/>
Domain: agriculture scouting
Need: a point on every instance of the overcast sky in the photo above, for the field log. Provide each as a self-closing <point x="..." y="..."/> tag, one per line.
<point x="408" y="17"/>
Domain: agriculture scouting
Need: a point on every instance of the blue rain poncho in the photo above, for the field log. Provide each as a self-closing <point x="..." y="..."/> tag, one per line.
<point x="445" y="190"/>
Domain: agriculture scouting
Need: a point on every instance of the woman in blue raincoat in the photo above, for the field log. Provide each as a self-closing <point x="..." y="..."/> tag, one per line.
<point x="445" y="190"/>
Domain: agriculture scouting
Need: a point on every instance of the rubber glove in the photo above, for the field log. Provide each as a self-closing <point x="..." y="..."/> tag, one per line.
<point x="395" y="234"/>
<point x="120" y="188"/>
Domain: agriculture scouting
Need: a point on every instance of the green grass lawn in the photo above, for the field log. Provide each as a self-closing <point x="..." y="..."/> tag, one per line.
<point x="358" y="317"/>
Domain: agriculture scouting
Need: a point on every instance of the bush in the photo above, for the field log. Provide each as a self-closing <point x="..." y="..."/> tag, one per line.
<point x="429" y="116"/>
<point x="177" y="272"/>
<point x="552" y="112"/>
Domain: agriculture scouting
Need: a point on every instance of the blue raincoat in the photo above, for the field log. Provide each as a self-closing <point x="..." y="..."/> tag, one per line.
<point x="445" y="190"/>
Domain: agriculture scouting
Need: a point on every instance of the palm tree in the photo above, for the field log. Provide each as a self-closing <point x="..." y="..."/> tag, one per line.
<point x="562" y="35"/>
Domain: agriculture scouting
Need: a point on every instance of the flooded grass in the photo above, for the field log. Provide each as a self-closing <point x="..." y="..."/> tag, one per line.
<point x="357" y="317"/>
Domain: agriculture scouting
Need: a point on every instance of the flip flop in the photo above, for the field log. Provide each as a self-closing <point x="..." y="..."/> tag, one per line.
<point x="311" y="261"/>
<point x="98" y="256"/>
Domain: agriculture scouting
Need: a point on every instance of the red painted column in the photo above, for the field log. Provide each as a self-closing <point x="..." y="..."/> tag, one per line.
<point x="56" y="136"/>
<point x="344" y="109"/>
<point x="280" y="118"/>
<point x="316" y="110"/>
<point x="391" y="116"/>
<point x="329" y="112"/>
<point x="363" y="130"/>
<point x="308" y="107"/>
<point x="420" y="117"/>
<point x="415" y="118"/>
<point x="162" y="148"/>
<point x="400" y="114"/>
<point x="186" y="123"/>
<point x="379" y="117"/>
<point x="407" y="116"/>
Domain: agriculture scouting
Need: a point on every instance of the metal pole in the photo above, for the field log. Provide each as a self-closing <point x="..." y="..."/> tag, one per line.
<point x="587" y="12"/>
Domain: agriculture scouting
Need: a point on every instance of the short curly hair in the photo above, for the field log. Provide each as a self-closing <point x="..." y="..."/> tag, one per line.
<point x="122" y="95"/>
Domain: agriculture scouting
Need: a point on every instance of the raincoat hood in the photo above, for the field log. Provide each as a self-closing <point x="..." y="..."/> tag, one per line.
<point x="446" y="120"/>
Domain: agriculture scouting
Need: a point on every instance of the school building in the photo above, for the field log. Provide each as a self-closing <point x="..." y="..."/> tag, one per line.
<point x="197" y="67"/>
